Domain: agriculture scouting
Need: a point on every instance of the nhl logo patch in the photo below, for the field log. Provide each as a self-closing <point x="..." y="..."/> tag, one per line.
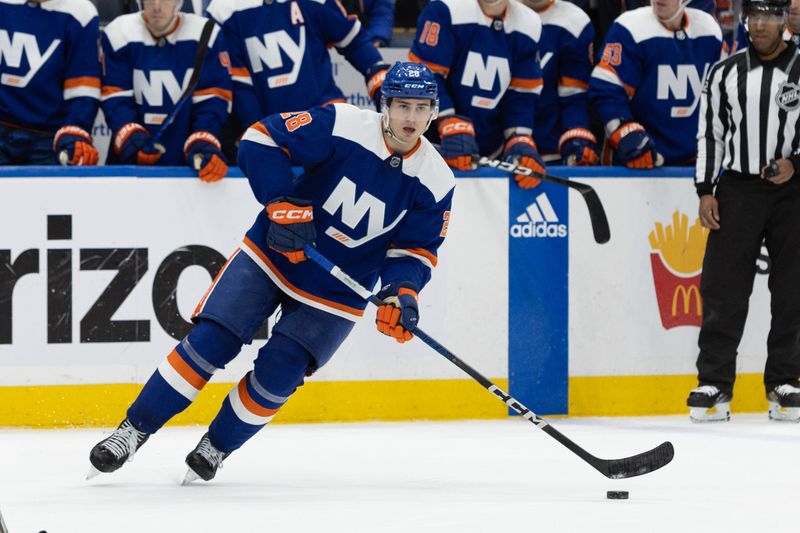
<point x="788" y="96"/>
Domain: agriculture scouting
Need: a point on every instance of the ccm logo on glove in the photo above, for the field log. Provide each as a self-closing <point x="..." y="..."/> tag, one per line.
<point x="285" y="213"/>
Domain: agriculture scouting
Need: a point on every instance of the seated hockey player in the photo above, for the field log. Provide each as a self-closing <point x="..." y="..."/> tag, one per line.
<point x="484" y="55"/>
<point x="350" y="155"/>
<point x="647" y="84"/>
<point x="280" y="59"/>
<point x="562" y="118"/>
<point x="50" y="84"/>
<point x="149" y="57"/>
<point x="755" y="199"/>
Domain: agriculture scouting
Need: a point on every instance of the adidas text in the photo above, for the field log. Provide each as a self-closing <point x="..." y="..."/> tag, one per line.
<point x="531" y="230"/>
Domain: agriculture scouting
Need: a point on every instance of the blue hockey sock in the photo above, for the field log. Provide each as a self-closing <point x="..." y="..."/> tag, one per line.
<point x="181" y="376"/>
<point x="279" y="369"/>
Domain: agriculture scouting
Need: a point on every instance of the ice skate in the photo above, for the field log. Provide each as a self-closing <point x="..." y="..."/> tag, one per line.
<point x="709" y="404"/>
<point x="203" y="461"/>
<point x="111" y="453"/>
<point x="784" y="403"/>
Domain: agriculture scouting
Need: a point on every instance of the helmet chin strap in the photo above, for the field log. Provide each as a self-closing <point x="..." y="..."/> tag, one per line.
<point x="678" y="12"/>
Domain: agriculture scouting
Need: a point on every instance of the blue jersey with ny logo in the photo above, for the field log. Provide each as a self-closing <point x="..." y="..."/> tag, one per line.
<point x="566" y="62"/>
<point x="144" y="77"/>
<point x="279" y="52"/>
<point x="488" y="68"/>
<point x="654" y="75"/>
<point x="376" y="213"/>
<point x="49" y="66"/>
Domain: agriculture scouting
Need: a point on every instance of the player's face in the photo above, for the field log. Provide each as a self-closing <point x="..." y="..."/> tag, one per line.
<point x="766" y="31"/>
<point x="794" y="16"/>
<point x="493" y="7"/>
<point x="159" y="15"/>
<point x="540" y="4"/>
<point x="666" y="9"/>
<point x="408" y="118"/>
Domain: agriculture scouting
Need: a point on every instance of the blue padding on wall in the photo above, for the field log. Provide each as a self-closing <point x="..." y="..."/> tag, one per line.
<point x="123" y="171"/>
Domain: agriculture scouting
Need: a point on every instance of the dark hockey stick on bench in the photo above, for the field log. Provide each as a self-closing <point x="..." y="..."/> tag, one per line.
<point x="597" y="214"/>
<point x="626" y="467"/>
<point x="199" y="58"/>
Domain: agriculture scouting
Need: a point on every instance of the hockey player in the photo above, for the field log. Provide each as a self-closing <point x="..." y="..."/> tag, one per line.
<point x="647" y="84"/>
<point x="149" y="57"/>
<point x="792" y="32"/>
<point x="378" y="161"/>
<point x="755" y="199"/>
<point x="49" y="82"/>
<point x="484" y="55"/>
<point x="566" y="62"/>
<point x="279" y="54"/>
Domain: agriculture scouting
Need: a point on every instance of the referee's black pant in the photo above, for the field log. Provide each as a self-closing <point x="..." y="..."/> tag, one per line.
<point x="751" y="210"/>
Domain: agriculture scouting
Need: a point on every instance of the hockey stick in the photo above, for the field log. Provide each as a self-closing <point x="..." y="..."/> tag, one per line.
<point x="3" y="528"/>
<point x="199" y="57"/>
<point x="626" y="467"/>
<point x="597" y="214"/>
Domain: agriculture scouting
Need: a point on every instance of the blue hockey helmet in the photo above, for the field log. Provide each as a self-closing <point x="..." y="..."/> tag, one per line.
<point x="409" y="80"/>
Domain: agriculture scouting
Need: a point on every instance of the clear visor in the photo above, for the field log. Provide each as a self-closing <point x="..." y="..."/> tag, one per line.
<point x="764" y="17"/>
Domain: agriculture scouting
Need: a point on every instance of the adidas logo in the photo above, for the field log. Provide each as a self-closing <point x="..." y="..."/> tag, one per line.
<point x="538" y="220"/>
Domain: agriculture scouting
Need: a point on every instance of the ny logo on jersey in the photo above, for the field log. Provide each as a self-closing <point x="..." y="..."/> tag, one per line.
<point x="268" y="52"/>
<point x="494" y="69"/>
<point x="678" y="82"/>
<point x="150" y="86"/>
<point x="14" y="47"/>
<point x="354" y="210"/>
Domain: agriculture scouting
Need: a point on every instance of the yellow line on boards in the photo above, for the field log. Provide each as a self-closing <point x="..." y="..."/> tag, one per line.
<point x="54" y="406"/>
<point x="653" y="395"/>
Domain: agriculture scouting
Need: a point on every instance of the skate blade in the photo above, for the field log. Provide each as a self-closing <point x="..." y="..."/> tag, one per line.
<point x="783" y="414"/>
<point x="93" y="472"/>
<point x="719" y="413"/>
<point x="190" y="477"/>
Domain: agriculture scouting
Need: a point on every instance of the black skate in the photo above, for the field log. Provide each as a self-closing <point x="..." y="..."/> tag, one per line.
<point x="203" y="461"/>
<point x="111" y="453"/>
<point x="784" y="403"/>
<point x="709" y="404"/>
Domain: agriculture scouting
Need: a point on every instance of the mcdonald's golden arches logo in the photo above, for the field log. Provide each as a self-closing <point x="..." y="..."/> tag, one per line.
<point x="677" y="263"/>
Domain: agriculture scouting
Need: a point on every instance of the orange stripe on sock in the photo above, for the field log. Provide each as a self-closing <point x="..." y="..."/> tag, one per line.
<point x="185" y="371"/>
<point x="250" y="404"/>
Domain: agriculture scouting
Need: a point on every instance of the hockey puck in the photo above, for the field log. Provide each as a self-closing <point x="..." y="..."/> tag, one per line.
<point x="617" y="494"/>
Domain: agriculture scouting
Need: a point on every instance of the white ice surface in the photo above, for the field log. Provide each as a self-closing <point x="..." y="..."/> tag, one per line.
<point x="500" y="476"/>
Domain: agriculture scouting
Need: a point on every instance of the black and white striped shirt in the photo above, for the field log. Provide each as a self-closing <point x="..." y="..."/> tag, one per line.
<point x="749" y="114"/>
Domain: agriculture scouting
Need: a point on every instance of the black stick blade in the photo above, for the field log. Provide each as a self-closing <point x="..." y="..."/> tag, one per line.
<point x="637" y="465"/>
<point x="597" y="216"/>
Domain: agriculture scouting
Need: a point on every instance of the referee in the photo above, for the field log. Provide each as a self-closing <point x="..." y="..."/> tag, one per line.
<point x="749" y="127"/>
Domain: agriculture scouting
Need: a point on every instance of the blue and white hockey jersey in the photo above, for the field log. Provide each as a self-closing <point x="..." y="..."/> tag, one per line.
<point x="49" y="66"/>
<point x="488" y="69"/>
<point x="654" y="76"/>
<point x="144" y="77"/>
<point x="377" y="214"/>
<point x="566" y="63"/>
<point x="279" y="53"/>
